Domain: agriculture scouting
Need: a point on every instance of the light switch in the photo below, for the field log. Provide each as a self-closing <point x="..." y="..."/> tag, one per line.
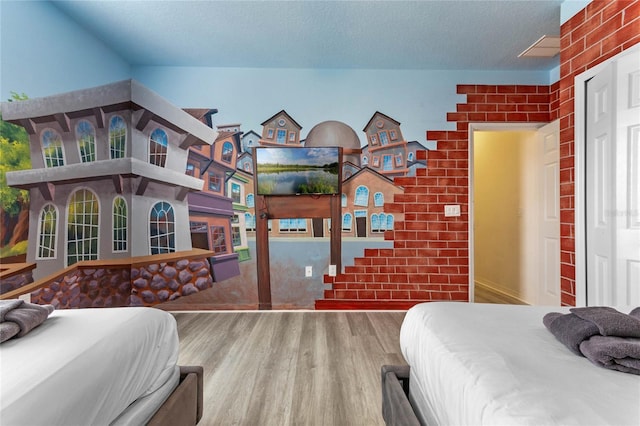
<point x="452" y="210"/>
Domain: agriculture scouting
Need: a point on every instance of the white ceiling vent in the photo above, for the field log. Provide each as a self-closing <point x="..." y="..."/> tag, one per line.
<point x="545" y="47"/>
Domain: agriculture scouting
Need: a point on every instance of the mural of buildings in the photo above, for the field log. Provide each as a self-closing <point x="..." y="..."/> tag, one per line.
<point x="363" y="198"/>
<point x="237" y="187"/>
<point x="249" y="140"/>
<point x="365" y="189"/>
<point x="211" y="210"/>
<point x="107" y="178"/>
<point x="387" y="149"/>
<point x="280" y="129"/>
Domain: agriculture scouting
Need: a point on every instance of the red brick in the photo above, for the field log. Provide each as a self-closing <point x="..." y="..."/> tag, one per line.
<point x="346" y="294"/>
<point x="383" y="294"/>
<point x="476" y="99"/>
<point x="517" y="99"/>
<point x="465" y="88"/>
<point x="400" y="294"/>
<point x="366" y="294"/>
<point x="456" y="116"/>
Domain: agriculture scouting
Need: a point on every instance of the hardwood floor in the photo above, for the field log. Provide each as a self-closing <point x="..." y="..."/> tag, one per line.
<point x="291" y="368"/>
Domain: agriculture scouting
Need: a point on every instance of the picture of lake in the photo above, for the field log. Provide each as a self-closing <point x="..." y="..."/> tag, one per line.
<point x="290" y="171"/>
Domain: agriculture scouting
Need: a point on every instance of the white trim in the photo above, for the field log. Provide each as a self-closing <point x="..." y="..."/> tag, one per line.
<point x="473" y="127"/>
<point x="579" y="158"/>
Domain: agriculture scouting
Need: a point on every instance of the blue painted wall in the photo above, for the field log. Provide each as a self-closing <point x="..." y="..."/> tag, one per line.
<point x="44" y="53"/>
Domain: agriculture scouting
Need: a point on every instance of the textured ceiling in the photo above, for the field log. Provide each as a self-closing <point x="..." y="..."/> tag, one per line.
<point x="427" y="34"/>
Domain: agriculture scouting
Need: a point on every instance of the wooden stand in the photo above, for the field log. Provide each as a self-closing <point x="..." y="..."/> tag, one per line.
<point x="285" y="207"/>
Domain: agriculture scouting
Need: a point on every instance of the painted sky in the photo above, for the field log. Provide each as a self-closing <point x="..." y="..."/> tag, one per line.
<point x="305" y="156"/>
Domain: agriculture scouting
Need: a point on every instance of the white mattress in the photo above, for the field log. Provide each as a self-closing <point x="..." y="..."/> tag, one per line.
<point x="86" y="366"/>
<point x="481" y="364"/>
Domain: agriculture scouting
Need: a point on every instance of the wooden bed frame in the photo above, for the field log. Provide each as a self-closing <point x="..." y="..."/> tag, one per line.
<point x="396" y="408"/>
<point x="184" y="405"/>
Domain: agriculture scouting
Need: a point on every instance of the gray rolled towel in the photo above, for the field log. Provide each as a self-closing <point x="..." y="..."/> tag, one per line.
<point x="26" y="315"/>
<point x="8" y="330"/>
<point x="609" y="321"/>
<point x="614" y="353"/>
<point x="569" y="329"/>
<point x="9" y="305"/>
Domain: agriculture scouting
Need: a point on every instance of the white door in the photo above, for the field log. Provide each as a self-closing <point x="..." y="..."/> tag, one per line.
<point x="612" y="184"/>
<point x="549" y="280"/>
<point x="627" y="181"/>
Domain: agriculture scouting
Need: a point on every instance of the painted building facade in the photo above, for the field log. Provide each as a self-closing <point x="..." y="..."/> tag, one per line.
<point x="107" y="178"/>
<point x="211" y="210"/>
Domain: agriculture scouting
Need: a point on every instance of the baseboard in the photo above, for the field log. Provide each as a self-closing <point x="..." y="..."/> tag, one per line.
<point x="508" y="298"/>
<point x="369" y="305"/>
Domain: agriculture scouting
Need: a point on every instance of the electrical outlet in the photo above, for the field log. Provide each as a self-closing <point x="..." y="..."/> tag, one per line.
<point x="332" y="270"/>
<point x="308" y="271"/>
<point x="452" y="210"/>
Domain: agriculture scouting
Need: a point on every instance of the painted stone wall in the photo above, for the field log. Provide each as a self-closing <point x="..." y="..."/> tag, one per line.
<point x="145" y="285"/>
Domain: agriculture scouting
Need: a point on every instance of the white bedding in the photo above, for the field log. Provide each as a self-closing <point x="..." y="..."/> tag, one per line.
<point x="86" y="366"/>
<point x="481" y="364"/>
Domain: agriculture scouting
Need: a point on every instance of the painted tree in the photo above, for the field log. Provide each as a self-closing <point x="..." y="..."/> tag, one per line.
<point x="14" y="203"/>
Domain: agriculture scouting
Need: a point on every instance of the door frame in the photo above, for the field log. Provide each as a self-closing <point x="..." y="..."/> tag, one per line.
<point x="580" y="158"/>
<point x="492" y="127"/>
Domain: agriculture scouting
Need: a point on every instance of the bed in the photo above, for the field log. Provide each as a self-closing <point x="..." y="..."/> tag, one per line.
<point x="498" y="364"/>
<point x="99" y="366"/>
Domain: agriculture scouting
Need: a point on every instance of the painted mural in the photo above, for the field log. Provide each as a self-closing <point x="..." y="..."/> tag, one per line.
<point x="89" y="183"/>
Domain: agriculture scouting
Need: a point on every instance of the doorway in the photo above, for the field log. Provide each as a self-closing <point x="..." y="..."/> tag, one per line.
<point x="361" y="223"/>
<point x="318" y="227"/>
<point x="514" y="229"/>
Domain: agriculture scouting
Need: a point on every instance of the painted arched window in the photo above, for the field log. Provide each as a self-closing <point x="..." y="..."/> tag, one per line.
<point x="86" y="136"/>
<point x="82" y="226"/>
<point x="162" y="224"/>
<point x="47" y="230"/>
<point x="117" y="137"/>
<point x="347" y="221"/>
<point x="378" y="199"/>
<point x="158" y="147"/>
<point x="52" y="149"/>
<point x="250" y="200"/>
<point x="120" y="227"/>
<point x="365" y="160"/>
<point x="249" y="222"/>
<point x="383" y="221"/>
<point x="362" y="196"/>
<point x="410" y="157"/>
<point x="227" y="152"/>
<point x="375" y="223"/>
<point x="344" y="200"/>
<point x="390" y="222"/>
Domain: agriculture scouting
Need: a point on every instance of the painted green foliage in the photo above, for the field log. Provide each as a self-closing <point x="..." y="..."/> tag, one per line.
<point x="14" y="203"/>
<point x="14" y="155"/>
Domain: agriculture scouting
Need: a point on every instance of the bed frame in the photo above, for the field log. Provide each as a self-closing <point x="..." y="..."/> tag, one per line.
<point x="184" y="405"/>
<point x="396" y="408"/>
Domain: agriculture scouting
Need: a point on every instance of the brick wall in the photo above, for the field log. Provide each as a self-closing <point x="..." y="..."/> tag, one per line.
<point x="429" y="260"/>
<point x="598" y="32"/>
